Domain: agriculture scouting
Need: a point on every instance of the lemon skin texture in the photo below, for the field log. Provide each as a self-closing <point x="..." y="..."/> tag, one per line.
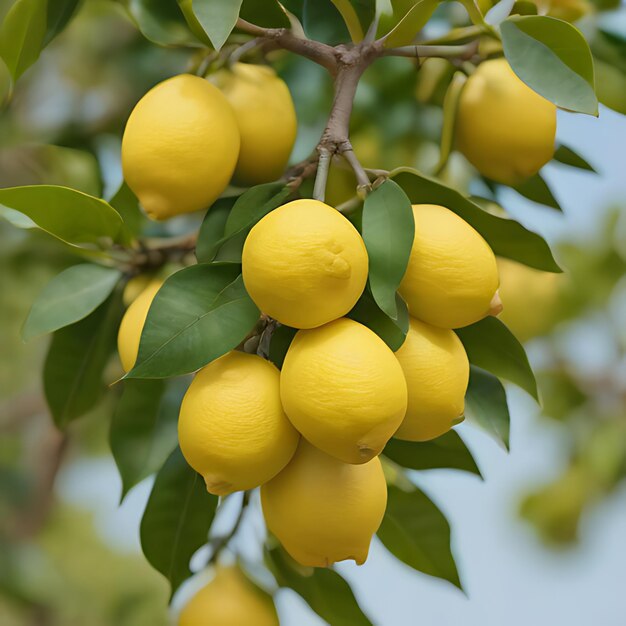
<point x="266" y="118"/>
<point x="343" y="389"/>
<point x="323" y="510"/>
<point x="180" y="147"/>
<point x="132" y="323"/>
<point x="504" y="129"/>
<point x="436" y="369"/>
<point x="452" y="275"/>
<point x="304" y="264"/>
<point x="230" y="599"/>
<point x="232" y="428"/>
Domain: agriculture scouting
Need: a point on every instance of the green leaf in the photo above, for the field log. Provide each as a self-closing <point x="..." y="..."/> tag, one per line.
<point x="524" y="7"/>
<point x="59" y="13"/>
<point x="567" y="156"/>
<point x="143" y="428"/>
<point x="323" y="589"/>
<point x="388" y="232"/>
<point x="450" y="107"/>
<point x="199" y="314"/>
<point x="473" y="10"/>
<point x="447" y="451"/>
<point x="22" y="35"/>
<point x="506" y="237"/>
<point x="211" y="233"/>
<point x="499" y="12"/>
<point x="177" y="519"/>
<point x="217" y="18"/>
<point x="162" y="22"/>
<point x="553" y="58"/>
<point x="323" y="22"/>
<point x="70" y="297"/>
<point x="125" y="202"/>
<point x="74" y="367"/>
<point x="69" y="215"/>
<point x="279" y="344"/>
<point x="417" y="533"/>
<point x="358" y="15"/>
<point x="536" y="189"/>
<point x="405" y="21"/>
<point x="493" y="347"/>
<point x="265" y="13"/>
<point x="391" y="331"/>
<point x="486" y="405"/>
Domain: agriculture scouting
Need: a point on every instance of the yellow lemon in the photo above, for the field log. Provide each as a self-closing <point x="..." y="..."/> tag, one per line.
<point x="180" y="146"/>
<point x="343" y="389"/>
<point x="266" y="118"/>
<point x="436" y="369"/>
<point x="232" y="428"/>
<point x="452" y="276"/>
<point x="504" y="128"/>
<point x="132" y="323"/>
<point x="230" y="599"/>
<point x="323" y="510"/>
<point x="304" y="264"/>
<point x="530" y="298"/>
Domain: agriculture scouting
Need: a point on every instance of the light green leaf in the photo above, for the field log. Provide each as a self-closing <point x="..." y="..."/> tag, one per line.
<point x="177" y="519"/>
<point x="70" y="297"/>
<point x="474" y="12"/>
<point x="506" y="237"/>
<point x="74" y="367"/>
<point x="408" y="17"/>
<point x="126" y="204"/>
<point x="536" y="189"/>
<point x="450" y="107"/>
<point x="493" y="347"/>
<point x="323" y="589"/>
<point x="199" y="314"/>
<point x="567" y="156"/>
<point x="553" y="58"/>
<point x="358" y="15"/>
<point x="72" y="216"/>
<point x="486" y="405"/>
<point x="217" y="18"/>
<point x="388" y="230"/>
<point x="162" y="22"/>
<point x="417" y="533"/>
<point x="499" y="12"/>
<point x="447" y="451"/>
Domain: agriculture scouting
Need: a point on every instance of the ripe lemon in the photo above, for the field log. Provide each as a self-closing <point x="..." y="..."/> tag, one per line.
<point x="436" y="369"/>
<point x="266" y="118"/>
<point x="343" y="389"/>
<point x="180" y="146"/>
<point x="232" y="428"/>
<point x="452" y="276"/>
<point x="504" y="128"/>
<point x="129" y="333"/>
<point x="304" y="264"/>
<point x="323" y="510"/>
<point x="230" y="599"/>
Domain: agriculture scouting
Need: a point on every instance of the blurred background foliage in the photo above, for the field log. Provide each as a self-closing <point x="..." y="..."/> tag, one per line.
<point x="63" y="126"/>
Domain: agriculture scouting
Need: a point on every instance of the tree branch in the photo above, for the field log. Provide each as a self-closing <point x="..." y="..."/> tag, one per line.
<point x="465" y="51"/>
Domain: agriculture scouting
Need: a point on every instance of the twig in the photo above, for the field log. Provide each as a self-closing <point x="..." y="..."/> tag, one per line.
<point x="323" y="165"/>
<point x="418" y="51"/>
<point x="361" y="176"/>
<point x="244" y="49"/>
<point x="222" y="542"/>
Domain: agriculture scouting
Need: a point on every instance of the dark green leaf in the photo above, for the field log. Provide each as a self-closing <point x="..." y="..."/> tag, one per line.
<point x="126" y="204"/>
<point x="73" y="371"/>
<point x="212" y="229"/>
<point x="567" y="156"/>
<point x="506" y="237"/>
<point x="161" y="22"/>
<point x="177" y="519"/>
<point x="69" y="215"/>
<point x="486" y="405"/>
<point x="493" y="347"/>
<point x="391" y="331"/>
<point x="536" y="189"/>
<point x="59" y="13"/>
<point x="217" y="18"/>
<point x="446" y="451"/>
<point x="552" y="57"/>
<point x="143" y="428"/>
<point x="405" y="21"/>
<point x="324" y="590"/>
<point x="323" y="22"/>
<point x="199" y="314"/>
<point x="358" y="15"/>
<point x="524" y="7"/>
<point x="279" y="344"/>
<point x="264" y="13"/>
<point x="415" y="531"/>
<point x="69" y="297"/>
<point x="388" y="232"/>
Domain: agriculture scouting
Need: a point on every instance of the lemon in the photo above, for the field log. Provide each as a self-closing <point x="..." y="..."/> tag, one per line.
<point x="343" y="389"/>
<point x="452" y="276"/>
<point x="266" y="118"/>
<point x="232" y="428"/>
<point x="323" y="510"/>
<point x="230" y="599"/>
<point x="180" y="146"/>
<point x="504" y="128"/>
<point x="304" y="264"/>
<point x="436" y="369"/>
<point x="530" y="298"/>
<point x="132" y="323"/>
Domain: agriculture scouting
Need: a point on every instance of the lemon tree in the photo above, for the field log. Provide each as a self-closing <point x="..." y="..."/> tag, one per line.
<point x="304" y="303"/>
